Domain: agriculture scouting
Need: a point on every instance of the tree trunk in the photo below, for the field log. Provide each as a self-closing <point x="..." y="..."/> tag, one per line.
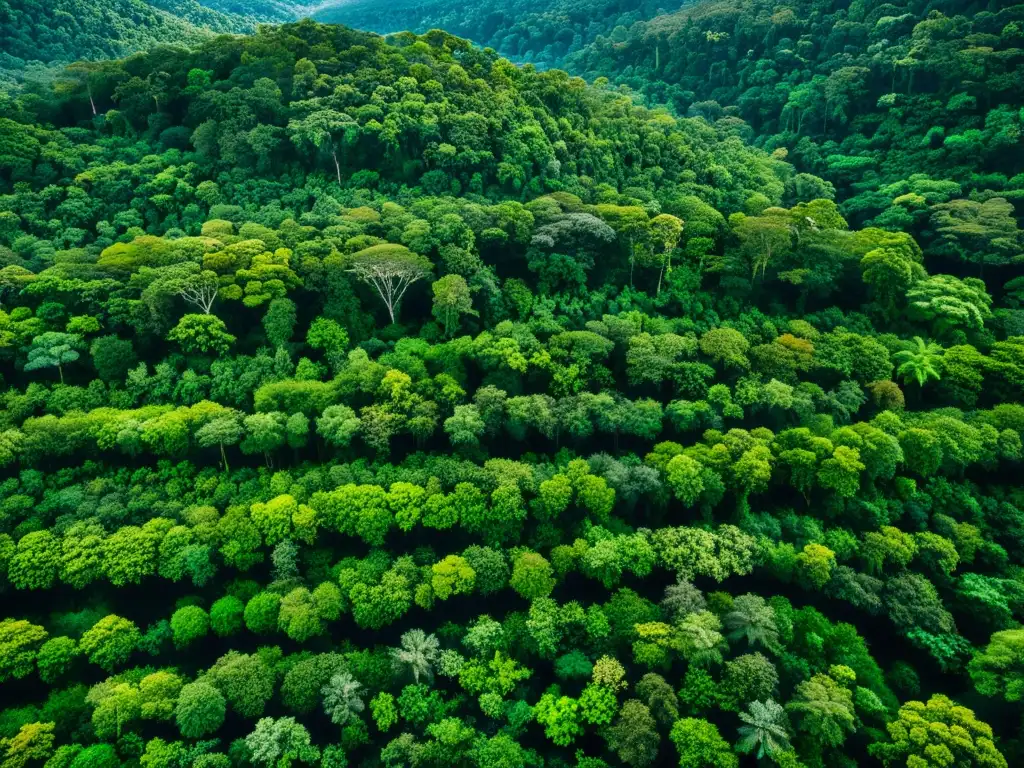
<point x="224" y="458"/>
<point x="92" y="103"/>
<point x="60" y="370"/>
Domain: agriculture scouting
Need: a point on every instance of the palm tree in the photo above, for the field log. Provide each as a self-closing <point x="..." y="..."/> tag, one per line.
<point x="752" y="618"/>
<point x="920" y="363"/>
<point x="418" y="652"/>
<point x="766" y="729"/>
<point x="341" y="698"/>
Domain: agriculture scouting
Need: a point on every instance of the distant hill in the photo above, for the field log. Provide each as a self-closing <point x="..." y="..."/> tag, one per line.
<point x="543" y="32"/>
<point x="60" y="31"/>
<point x="260" y="10"/>
<point x="50" y="31"/>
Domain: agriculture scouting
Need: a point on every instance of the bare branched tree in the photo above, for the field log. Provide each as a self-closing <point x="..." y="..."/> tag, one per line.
<point x="200" y="290"/>
<point x="390" y="269"/>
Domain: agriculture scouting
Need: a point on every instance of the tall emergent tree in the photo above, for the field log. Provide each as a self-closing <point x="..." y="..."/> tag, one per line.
<point x="390" y="269"/>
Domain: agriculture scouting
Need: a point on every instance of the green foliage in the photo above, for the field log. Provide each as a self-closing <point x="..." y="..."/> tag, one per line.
<point x="110" y="641"/>
<point x="202" y="333"/>
<point x="532" y="576"/>
<point x="189" y="624"/>
<point x="998" y="669"/>
<point x="623" y="347"/>
<point x="938" y="730"/>
<point x="200" y="710"/>
<point x="699" y="744"/>
<point x="765" y="729"/>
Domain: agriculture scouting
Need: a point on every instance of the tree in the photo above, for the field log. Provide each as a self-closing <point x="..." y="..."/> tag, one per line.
<point x="221" y="431"/>
<point x="597" y="704"/>
<point x="35" y="562"/>
<point x="980" y="232"/>
<point x="560" y="717"/>
<point x="202" y="333"/>
<point x="938" y="731"/>
<point x="634" y="736"/>
<point x="824" y="709"/>
<point x="890" y="272"/>
<point x="465" y="427"/>
<point x="56" y="658"/>
<point x="950" y="304"/>
<point x="279" y="321"/>
<point x="112" y="357"/>
<point x="390" y="269"/>
<point x="747" y="678"/>
<point x="304" y="683"/>
<point x="342" y="698"/>
<point x="189" y="624"/>
<point x="752" y="619"/>
<point x="451" y="300"/>
<point x="700" y="745"/>
<point x="815" y="563"/>
<point x="326" y="130"/>
<point x="763" y="239"/>
<point x="338" y="425"/>
<point x="226" y="616"/>
<point x="417" y="653"/>
<point x="920" y="363"/>
<point x="265" y="433"/>
<point x="31" y="745"/>
<point x="54" y="350"/>
<point x="280" y="742"/>
<point x="200" y="290"/>
<point x="328" y="335"/>
<point x="998" y="669"/>
<point x="246" y="681"/>
<point x="765" y="728"/>
<point x="532" y="576"/>
<point x="384" y="713"/>
<point x="20" y="640"/>
<point x="685" y="475"/>
<point x="110" y="641"/>
<point x="666" y="230"/>
<point x="726" y="345"/>
<point x="452" y="576"/>
<point x="500" y="750"/>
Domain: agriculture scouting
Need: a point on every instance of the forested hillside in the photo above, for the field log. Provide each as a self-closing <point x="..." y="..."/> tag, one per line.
<point x="63" y="31"/>
<point x="541" y="32"/>
<point x="902" y="107"/>
<point x="378" y="402"/>
<point x="66" y="30"/>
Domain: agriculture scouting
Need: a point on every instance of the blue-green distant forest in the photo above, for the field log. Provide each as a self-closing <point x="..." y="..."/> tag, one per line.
<point x="518" y="384"/>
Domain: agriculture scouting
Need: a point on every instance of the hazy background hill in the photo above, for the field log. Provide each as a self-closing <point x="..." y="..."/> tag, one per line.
<point x="528" y="31"/>
<point x="62" y="31"/>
